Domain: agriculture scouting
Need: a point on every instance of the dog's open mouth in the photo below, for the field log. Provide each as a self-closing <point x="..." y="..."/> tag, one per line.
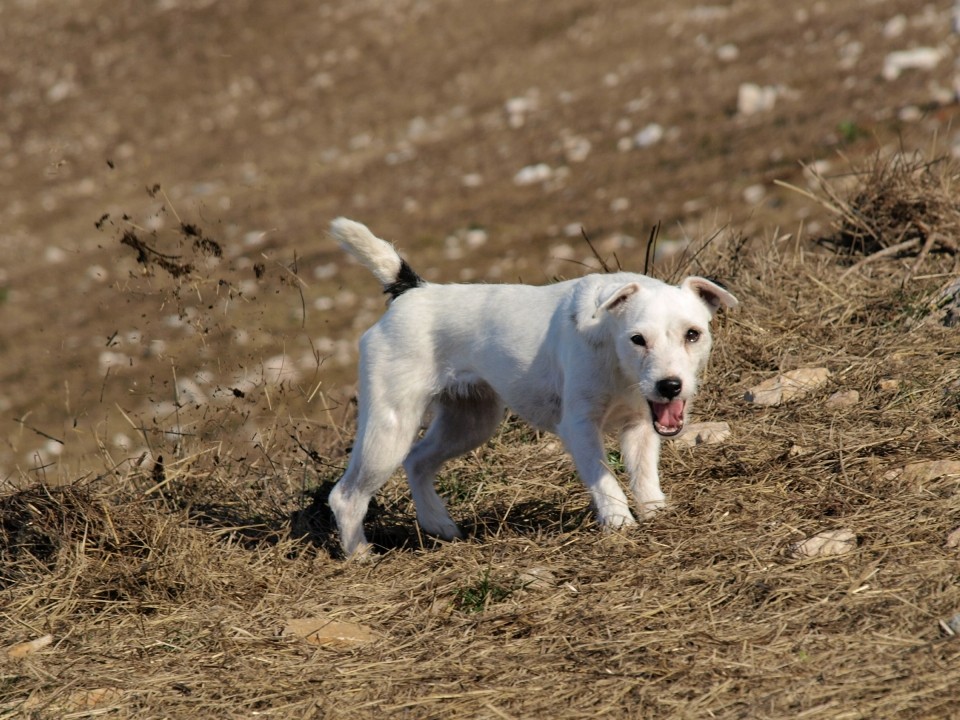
<point x="668" y="416"/>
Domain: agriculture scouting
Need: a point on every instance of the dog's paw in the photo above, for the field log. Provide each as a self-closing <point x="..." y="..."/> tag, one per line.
<point x="443" y="528"/>
<point x="615" y="521"/>
<point x="363" y="553"/>
<point x="649" y="508"/>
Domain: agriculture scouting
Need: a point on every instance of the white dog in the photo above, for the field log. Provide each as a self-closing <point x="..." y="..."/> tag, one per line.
<point x="604" y="352"/>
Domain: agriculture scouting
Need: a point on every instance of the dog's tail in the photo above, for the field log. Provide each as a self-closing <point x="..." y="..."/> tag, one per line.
<point x="377" y="255"/>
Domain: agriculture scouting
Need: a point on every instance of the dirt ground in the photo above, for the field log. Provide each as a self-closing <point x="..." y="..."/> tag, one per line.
<point x="179" y="335"/>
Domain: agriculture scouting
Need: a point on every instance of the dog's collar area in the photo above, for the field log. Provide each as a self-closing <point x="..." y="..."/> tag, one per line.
<point x="668" y="416"/>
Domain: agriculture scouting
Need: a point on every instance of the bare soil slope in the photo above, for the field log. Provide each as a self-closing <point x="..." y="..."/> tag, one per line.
<point x="260" y="122"/>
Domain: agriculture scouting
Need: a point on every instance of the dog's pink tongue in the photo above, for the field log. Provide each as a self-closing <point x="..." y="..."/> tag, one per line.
<point x="669" y="415"/>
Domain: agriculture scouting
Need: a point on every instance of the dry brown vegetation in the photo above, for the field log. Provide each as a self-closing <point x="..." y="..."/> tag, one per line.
<point x="168" y="588"/>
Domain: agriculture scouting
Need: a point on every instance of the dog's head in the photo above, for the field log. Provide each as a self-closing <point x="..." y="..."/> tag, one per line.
<point x="662" y="338"/>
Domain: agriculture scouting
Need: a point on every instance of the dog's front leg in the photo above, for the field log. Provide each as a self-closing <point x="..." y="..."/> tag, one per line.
<point x="584" y="441"/>
<point x="640" y="450"/>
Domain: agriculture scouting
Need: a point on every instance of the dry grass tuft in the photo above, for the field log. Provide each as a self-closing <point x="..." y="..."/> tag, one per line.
<point x="172" y="594"/>
<point x="895" y="207"/>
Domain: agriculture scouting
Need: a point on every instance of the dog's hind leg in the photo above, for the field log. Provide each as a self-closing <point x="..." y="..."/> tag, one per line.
<point x="461" y="424"/>
<point x="384" y="436"/>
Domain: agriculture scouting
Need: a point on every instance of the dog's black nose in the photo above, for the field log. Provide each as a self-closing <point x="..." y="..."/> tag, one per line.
<point x="669" y="387"/>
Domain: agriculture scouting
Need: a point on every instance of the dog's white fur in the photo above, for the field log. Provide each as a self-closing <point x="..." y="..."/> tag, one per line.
<point x="577" y="358"/>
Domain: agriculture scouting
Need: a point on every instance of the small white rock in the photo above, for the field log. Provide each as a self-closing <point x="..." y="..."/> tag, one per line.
<point x="189" y="392"/>
<point x="536" y="577"/>
<point x="754" y="194"/>
<point x="280" y="368"/>
<point x="576" y="149"/>
<point x="753" y="98"/>
<point x="828" y="542"/>
<point x="843" y="399"/>
<point x="325" y="272"/>
<point x="788" y="386"/>
<point x="895" y="26"/>
<point x="110" y="360"/>
<point x="922" y="58"/>
<point x="728" y="52"/>
<point x="924" y="471"/>
<point x="705" y="433"/>
<point x="533" y="174"/>
<point x="54" y="255"/>
<point x="953" y="539"/>
<point x="650" y="135"/>
<point x="476" y="237"/>
<point x="98" y="273"/>
<point x="910" y="113"/>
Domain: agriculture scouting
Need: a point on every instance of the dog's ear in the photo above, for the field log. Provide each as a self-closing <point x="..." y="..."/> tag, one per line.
<point x="712" y="294"/>
<point x="612" y="300"/>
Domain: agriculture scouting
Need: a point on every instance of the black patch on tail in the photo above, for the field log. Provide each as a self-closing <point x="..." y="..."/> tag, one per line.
<point x="406" y="279"/>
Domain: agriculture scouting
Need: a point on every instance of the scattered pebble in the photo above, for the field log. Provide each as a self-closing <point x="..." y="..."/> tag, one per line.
<point x="476" y="237"/>
<point x="910" y="113"/>
<point x="80" y="701"/>
<point x="788" y="386"/>
<point x="254" y="237"/>
<point x="325" y="272"/>
<point x="533" y="174"/>
<point x="110" y="360"/>
<point x="54" y="255"/>
<point x="953" y="539"/>
<point x="951" y="626"/>
<point x="519" y="108"/>
<point x="336" y="634"/>
<point x="27" y="648"/>
<point x="843" y="399"/>
<point x="61" y="90"/>
<point x="279" y="368"/>
<point x="728" y="52"/>
<point x="98" y="273"/>
<point x="705" y="433"/>
<point x="895" y="26"/>
<point x="189" y="392"/>
<point x="889" y="385"/>
<point x="828" y="542"/>
<point x="753" y="98"/>
<point x="921" y="58"/>
<point x="754" y="194"/>
<point x="924" y="471"/>
<point x="536" y="577"/>
<point x="650" y="135"/>
<point x="576" y="148"/>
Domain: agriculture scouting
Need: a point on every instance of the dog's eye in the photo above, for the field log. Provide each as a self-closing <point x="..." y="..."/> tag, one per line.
<point x="638" y="340"/>
<point x="693" y="335"/>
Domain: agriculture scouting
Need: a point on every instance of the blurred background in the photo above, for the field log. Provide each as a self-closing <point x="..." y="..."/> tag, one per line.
<point x="168" y="170"/>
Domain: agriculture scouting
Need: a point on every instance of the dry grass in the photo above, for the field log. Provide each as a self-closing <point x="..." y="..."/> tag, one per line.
<point x="166" y="589"/>
<point x="900" y="206"/>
